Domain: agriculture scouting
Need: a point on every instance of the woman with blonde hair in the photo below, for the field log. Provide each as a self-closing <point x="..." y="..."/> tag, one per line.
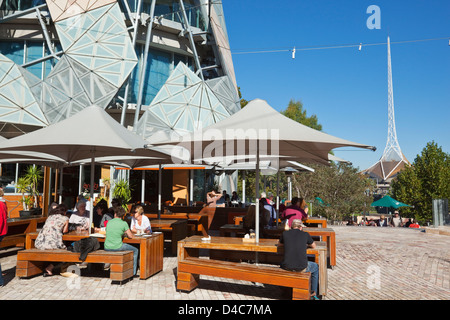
<point x="139" y="221"/>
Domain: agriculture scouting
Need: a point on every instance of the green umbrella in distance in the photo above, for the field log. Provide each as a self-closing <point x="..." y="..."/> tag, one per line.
<point x="321" y="202"/>
<point x="389" y="202"/>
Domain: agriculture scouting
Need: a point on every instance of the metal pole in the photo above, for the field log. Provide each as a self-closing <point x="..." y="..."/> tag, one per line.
<point x="143" y="187"/>
<point x="257" y="193"/>
<point x="46" y="35"/>
<point x="125" y="97"/>
<point x="278" y="198"/>
<point x="91" y="192"/>
<point x="187" y="27"/>
<point x="243" y="188"/>
<point x="80" y="177"/>
<point x="60" y="184"/>
<point x="191" y="187"/>
<point x="144" y="64"/>
<point x="289" y="188"/>
<point x="22" y="13"/>
<point x="159" y="190"/>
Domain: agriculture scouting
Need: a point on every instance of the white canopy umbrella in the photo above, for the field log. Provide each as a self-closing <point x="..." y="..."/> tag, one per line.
<point x="141" y="162"/>
<point x="258" y="129"/>
<point x="90" y="133"/>
<point x="258" y="122"/>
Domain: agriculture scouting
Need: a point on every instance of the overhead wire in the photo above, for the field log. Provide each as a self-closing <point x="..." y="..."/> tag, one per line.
<point x="340" y="46"/>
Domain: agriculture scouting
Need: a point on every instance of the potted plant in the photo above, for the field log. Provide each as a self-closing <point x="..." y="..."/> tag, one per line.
<point x="23" y="187"/>
<point x="29" y="184"/>
<point x="122" y="192"/>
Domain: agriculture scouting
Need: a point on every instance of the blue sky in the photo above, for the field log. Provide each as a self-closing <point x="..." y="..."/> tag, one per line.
<point x="347" y="88"/>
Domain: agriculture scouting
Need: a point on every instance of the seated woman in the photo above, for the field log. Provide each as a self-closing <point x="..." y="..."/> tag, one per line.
<point x="100" y="209"/>
<point x="50" y="236"/>
<point x="139" y="222"/>
<point x="297" y="210"/>
<point x="211" y="198"/>
<point x="81" y="216"/>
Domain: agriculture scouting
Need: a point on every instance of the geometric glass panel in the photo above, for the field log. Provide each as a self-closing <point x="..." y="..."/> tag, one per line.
<point x="184" y="103"/>
<point x="17" y="102"/>
<point x="63" y="9"/>
<point x="104" y="45"/>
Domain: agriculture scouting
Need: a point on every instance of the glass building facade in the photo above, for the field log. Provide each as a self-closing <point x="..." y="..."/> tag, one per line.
<point x="60" y="56"/>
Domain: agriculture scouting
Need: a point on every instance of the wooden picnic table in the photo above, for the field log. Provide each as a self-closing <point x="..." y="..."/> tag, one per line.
<point x="322" y="222"/>
<point x="326" y="234"/>
<point x="198" y="221"/>
<point x="319" y="222"/>
<point x="151" y="249"/>
<point x="18" y="229"/>
<point x="177" y="228"/>
<point x="189" y="248"/>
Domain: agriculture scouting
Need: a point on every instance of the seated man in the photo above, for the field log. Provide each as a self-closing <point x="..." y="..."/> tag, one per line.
<point x="296" y="241"/>
<point x="271" y="209"/>
<point x="382" y="222"/>
<point x="396" y="220"/>
<point x="115" y="229"/>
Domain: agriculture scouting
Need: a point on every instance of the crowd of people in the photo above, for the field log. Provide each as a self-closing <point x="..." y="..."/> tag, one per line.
<point x="383" y="221"/>
<point x="112" y="220"/>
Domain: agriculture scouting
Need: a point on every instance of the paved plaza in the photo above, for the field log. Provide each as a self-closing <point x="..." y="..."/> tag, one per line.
<point x="372" y="264"/>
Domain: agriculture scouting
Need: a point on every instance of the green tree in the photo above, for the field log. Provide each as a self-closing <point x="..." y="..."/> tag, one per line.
<point x="405" y="188"/>
<point x="270" y="185"/>
<point x="340" y="186"/>
<point x="296" y="112"/>
<point x="428" y="178"/>
<point x="242" y="101"/>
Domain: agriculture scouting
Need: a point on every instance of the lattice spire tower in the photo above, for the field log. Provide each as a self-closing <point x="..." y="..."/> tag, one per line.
<point x="392" y="160"/>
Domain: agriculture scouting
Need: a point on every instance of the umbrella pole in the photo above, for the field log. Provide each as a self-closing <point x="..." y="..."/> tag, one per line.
<point x="243" y="188"/>
<point x="257" y="193"/>
<point x="278" y="198"/>
<point x="60" y="184"/>
<point x="91" y="192"/>
<point x="257" y="201"/>
<point x="159" y="191"/>
<point x="143" y="187"/>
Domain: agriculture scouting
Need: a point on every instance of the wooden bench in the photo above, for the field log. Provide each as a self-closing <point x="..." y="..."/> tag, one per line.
<point x="197" y="223"/>
<point x="18" y="229"/>
<point x="190" y="269"/>
<point x="13" y="240"/>
<point x="32" y="262"/>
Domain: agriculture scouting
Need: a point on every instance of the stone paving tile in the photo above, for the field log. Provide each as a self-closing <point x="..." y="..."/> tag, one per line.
<point x="372" y="264"/>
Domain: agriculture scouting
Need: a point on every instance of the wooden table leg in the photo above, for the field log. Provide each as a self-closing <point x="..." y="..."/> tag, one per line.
<point x="186" y="281"/>
<point x="332" y="243"/>
<point x="323" y="272"/>
<point x="151" y="256"/>
<point x="144" y="260"/>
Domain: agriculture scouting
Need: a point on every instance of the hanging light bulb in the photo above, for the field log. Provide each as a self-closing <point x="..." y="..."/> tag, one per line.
<point x="293" y="53"/>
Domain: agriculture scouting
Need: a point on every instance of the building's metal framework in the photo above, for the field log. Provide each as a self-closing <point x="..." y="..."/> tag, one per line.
<point x="97" y="56"/>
